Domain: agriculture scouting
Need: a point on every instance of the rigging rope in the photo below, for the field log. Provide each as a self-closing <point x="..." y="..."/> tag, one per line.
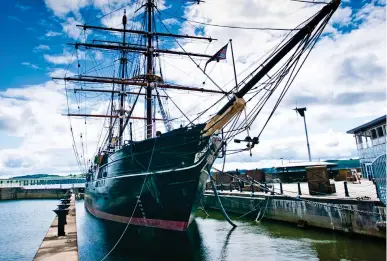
<point x="230" y="26"/>
<point x="190" y="55"/>
<point x="135" y="207"/>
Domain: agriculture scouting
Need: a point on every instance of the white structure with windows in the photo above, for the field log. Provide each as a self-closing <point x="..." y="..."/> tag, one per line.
<point x="371" y="142"/>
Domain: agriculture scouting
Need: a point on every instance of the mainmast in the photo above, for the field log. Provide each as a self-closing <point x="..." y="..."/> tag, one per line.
<point x="149" y="126"/>
<point x="123" y="69"/>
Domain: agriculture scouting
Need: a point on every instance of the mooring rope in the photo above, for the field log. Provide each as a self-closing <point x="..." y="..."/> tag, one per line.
<point x="264" y="212"/>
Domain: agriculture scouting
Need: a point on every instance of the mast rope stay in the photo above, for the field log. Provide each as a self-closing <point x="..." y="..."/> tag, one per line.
<point x="197" y="65"/>
<point x="291" y="65"/>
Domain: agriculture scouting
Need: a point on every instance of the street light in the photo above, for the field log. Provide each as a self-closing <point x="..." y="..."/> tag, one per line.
<point x="301" y="111"/>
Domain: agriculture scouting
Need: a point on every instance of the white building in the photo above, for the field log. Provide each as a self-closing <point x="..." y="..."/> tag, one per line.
<point x="371" y="143"/>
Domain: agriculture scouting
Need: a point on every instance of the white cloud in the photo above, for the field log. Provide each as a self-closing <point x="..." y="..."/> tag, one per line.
<point x="52" y="34"/>
<point x="33" y="66"/>
<point x="70" y="28"/>
<point x="34" y="115"/>
<point x="22" y="7"/>
<point x="60" y="59"/>
<point x="342" y="84"/>
<point x="41" y="47"/>
<point x="65" y="58"/>
<point x="59" y="72"/>
<point x="170" y="21"/>
<point x="63" y="7"/>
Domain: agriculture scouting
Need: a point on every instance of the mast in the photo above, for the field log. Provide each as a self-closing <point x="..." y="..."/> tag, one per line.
<point x="150" y="71"/>
<point x="122" y="94"/>
<point x="111" y="114"/>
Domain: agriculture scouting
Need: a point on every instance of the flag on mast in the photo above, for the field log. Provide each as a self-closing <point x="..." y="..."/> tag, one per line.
<point x="220" y="55"/>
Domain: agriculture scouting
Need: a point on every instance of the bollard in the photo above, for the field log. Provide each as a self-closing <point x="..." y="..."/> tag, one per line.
<point x="252" y="189"/>
<point x="240" y="186"/>
<point x="299" y="188"/>
<point x="230" y="187"/>
<point x="221" y="186"/>
<point x="65" y="201"/>
<point x="346" y="189"/>
<point x="281" y="190"/>
<point x="369" y="177"/>
<point x="265" y="187"/>
<point x="61" y="220"/>
<point x="64" y="207"/>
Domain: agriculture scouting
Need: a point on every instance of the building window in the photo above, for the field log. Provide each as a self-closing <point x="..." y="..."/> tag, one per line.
<point x="380" y="132"/>
<point x="373" y="134"/>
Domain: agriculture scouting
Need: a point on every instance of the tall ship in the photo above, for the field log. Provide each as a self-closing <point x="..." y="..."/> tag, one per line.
<point x="150" y="169"/>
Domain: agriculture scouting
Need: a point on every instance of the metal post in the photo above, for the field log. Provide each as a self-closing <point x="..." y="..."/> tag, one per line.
<point x="301" y="111"/>
<point x="346" y="189"/>
<point x="281" y="190"/>
<point x="307" y="139"/>
<point x="299" y="188"/>
<point x="265" y="187"/>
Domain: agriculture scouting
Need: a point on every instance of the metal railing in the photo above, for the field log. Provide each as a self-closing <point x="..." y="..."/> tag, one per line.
<point x="379" y="172"/>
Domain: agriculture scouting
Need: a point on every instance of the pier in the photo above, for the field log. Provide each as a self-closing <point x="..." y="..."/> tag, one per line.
<point x="355" y="214"/>
<point x="9" y="193"/>
<point x="56" y="247"/>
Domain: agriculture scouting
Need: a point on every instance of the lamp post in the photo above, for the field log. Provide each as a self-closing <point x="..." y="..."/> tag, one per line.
<point x="301" y="111"/>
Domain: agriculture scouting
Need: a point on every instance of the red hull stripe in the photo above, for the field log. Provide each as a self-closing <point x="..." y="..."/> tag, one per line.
<point x="164" y="224"/>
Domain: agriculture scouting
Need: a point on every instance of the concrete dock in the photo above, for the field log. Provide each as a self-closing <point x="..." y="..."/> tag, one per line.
<point x="353" y="214"/>
<point x="64" y="248"/>
<point x="9" y="193"/>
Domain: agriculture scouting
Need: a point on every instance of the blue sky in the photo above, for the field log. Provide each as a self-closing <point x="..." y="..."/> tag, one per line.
<point x="345" y="74"/>
<point x="27" y="22"/>
<point x="26" y="25"/>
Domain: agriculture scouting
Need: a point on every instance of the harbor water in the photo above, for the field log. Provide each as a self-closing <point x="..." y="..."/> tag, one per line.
<point x="25" y="222"/>
<point x="23" y="225"/>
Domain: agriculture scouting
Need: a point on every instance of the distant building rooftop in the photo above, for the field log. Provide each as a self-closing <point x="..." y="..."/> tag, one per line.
<point x="305" y="164"/>
<point x="368" y="125"/>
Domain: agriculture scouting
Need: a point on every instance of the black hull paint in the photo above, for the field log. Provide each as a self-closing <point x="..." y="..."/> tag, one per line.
<point x="162" y="198"/>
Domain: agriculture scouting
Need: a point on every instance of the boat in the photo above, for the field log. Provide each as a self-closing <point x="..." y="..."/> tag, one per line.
<point x="158" y="180"/>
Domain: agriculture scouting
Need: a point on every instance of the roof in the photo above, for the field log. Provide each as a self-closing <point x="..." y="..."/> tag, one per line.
<point x="368" y="125"/>
<point x="305" y="164"/>
<point x="346" y="164"/>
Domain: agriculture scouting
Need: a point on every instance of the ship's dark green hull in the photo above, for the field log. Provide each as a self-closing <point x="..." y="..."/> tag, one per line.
<point x="157" y="182"/>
